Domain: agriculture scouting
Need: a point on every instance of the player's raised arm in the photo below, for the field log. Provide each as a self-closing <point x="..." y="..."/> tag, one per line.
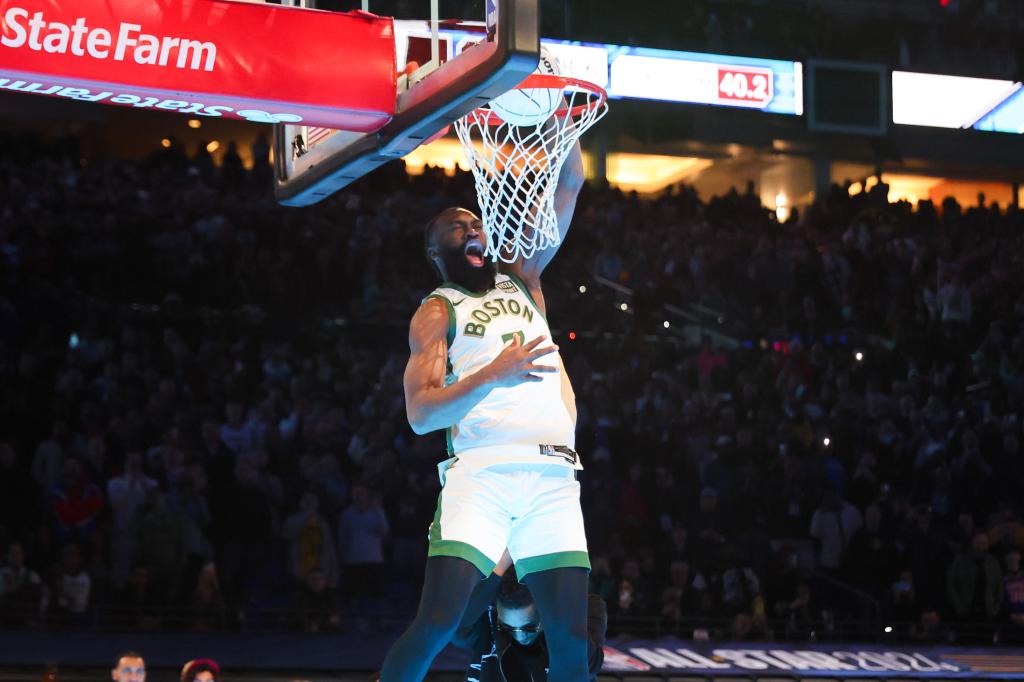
<point x="567" y="190"/>
<point x="429" y="403"/>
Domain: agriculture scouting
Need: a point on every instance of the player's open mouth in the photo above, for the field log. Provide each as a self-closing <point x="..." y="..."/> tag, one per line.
<point x="475" y="254"/>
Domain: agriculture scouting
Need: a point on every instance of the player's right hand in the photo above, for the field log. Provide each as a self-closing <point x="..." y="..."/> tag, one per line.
<point x="515" y="365"/>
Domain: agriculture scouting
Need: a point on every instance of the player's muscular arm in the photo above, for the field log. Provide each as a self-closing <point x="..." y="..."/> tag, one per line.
<point x="570" y="182"/>
<point x="430" y="404"/>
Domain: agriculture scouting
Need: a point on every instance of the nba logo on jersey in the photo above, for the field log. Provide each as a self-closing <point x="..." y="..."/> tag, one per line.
<point x="492" y="15"/>
<point x="508" y="287"/>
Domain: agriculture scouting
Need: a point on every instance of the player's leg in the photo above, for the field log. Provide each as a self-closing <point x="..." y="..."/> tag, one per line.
<point x="468" y="535"/>
<point x="561" y="598"/>
<point x="484" y="594"/>
<point x="447" y="584"/>
<point x="549" y="547"/>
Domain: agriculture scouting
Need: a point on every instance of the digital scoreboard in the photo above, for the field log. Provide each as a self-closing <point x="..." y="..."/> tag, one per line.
<point x="625" y="72"/>
<point x="770" y="85"/>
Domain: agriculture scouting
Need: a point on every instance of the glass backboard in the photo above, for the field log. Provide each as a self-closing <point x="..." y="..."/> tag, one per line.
<point x="312" y="163"/>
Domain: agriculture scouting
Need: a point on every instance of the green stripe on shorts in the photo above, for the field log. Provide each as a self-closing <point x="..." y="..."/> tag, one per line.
<point x="462" y="550"/>
<point x="545" y="562"/>
<point x="434" y="534"/>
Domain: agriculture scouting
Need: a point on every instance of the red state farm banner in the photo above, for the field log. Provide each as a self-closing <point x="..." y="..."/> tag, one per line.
<point x="258" y="62"/>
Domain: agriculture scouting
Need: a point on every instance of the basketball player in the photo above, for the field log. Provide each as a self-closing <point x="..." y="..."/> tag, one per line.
<point x="482" y="366"/>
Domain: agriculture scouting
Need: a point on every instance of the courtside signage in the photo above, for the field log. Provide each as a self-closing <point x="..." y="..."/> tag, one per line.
<point x="81" y="40"/>
<point x="257" y="62"/>
<point x="673" y="656"/>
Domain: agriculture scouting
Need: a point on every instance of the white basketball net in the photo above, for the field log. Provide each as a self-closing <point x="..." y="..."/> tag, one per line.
<point x="516" y="169"/>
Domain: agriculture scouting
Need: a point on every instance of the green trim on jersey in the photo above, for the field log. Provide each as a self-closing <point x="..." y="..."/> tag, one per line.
<point x="546" y="562"/>
<point x="448" y="440"/>
<point x="462" y="550"/>
<point x="451" y="319"/>
<point x="526" y="292"/>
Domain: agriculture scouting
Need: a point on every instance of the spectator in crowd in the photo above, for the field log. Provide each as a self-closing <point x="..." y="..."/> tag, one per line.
<point x="791" y="590"/>
<point x="609" y="264"/>
<point x="235" y="433"/>
<point x="626" y="604"/>
<point x="362" y="528"/>
<point x="312" y="563"/>
<point x="243" y="531"/>
<point x="602" y="582"/>
<point x="157" y="542"/>
<point x="139" y="603"/>
<point x="676" y="547"/>
<point x="310" y="541"/>
<point x="710" y="360"/>
<point x="684" y="597"/>
<point x="923" y="548"/>
<point x="800" y="612"/>
<point x="126" y="493"/>
<point x="73" y="586"/>
<point x="710" y="529"/>
<point x="187" y="505"/>
<point x="974" y="582"/>
<point x="206" y="610"/>
<point x="130" y="667"/>
<point x="871" y="554"/>
<point x="75" y="503"/>
<point x="741" y="588"/>
<point x="903" y="603"/>
<point x="214" y="454"/>
<point x="23" y="595"/>
<point x="50" y="454"/>
<point x="635" y="598"/>
<point x="833" y="524"/>
<point x="1013" y="591"/>
<point x="200" y="670"/>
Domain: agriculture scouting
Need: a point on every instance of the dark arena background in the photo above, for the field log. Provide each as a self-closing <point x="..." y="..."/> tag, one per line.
<point x="791" y="306"/>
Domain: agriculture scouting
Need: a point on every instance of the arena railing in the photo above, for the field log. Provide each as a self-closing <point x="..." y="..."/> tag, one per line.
<point x="822" y="626"/>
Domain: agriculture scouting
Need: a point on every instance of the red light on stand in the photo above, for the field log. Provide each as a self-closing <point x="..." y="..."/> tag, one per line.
<point x="572" y="336"/>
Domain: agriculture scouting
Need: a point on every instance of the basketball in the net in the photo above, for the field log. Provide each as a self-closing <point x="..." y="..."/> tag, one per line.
<point x="532" y="106"/>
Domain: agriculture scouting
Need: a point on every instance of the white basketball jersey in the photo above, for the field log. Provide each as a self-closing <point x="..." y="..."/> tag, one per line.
<point x="509" y="424"/>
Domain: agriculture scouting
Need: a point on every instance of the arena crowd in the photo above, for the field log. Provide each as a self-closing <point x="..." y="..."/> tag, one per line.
<point x="203" y="420"/>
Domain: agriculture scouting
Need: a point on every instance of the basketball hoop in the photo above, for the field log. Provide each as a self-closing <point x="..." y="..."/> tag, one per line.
<point x="516" y="168"/>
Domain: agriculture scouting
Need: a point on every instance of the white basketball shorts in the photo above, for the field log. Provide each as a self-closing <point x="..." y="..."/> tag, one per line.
<point x="533" y="509"/>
